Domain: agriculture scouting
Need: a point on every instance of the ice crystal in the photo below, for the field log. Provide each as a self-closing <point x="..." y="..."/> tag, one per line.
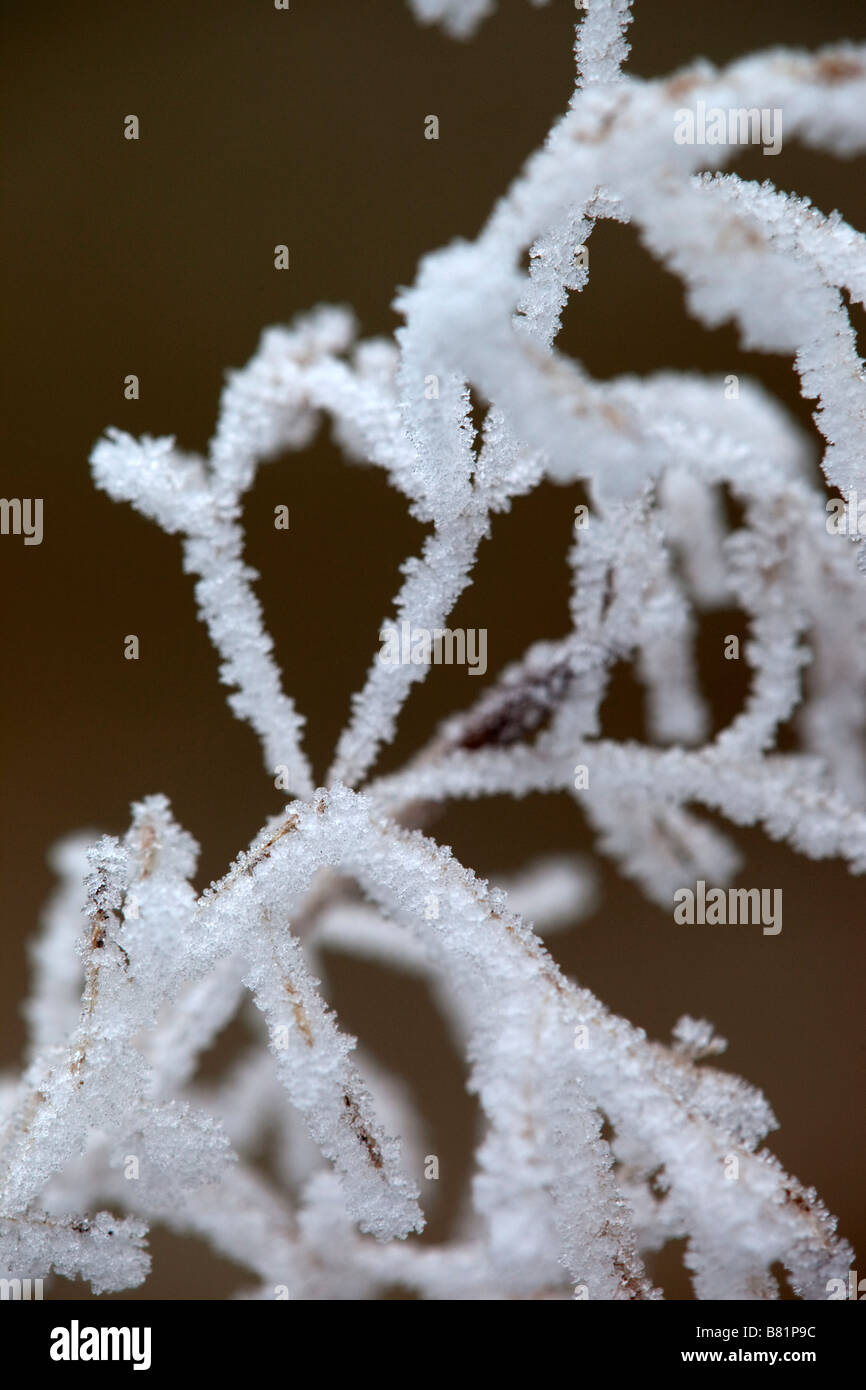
<point x="122" y="1011"/>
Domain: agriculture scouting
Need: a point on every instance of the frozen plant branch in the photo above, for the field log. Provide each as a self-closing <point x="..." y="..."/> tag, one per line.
<point x="598" y="1146"/>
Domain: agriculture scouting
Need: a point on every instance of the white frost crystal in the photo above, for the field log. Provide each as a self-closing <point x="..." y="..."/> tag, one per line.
<point x="598" y="1145"/>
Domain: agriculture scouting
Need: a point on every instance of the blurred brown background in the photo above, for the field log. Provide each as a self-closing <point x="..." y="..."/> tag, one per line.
<point x="156" y="258"/>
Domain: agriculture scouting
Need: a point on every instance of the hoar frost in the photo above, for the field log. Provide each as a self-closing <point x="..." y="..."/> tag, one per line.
<point x="598" y="1145"/>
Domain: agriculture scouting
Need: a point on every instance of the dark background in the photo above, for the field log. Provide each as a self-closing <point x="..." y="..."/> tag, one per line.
<point x="156" y="258"/>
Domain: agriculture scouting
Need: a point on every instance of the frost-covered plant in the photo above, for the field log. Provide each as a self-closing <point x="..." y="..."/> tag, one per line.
<point x="558" y="1210"/>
